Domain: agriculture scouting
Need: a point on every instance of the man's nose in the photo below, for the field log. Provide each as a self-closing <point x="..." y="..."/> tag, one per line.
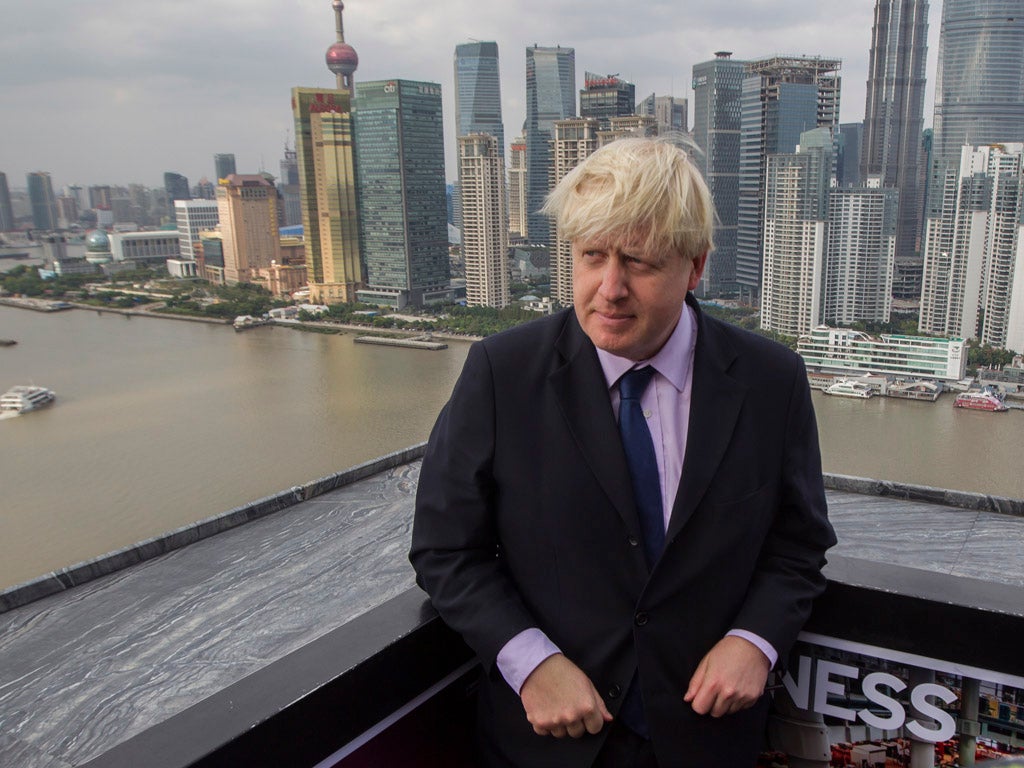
<point x="613" y="281"/>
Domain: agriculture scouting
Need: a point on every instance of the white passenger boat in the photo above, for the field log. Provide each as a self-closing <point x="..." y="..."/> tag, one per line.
<point x="25" y="398"/>
<point x="850" y="388"/>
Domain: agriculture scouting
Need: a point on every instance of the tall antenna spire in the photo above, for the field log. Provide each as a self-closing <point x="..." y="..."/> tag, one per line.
<point x="342" y="59"/>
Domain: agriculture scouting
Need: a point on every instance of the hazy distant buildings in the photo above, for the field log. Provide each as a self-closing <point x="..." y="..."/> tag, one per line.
<point x="6" y="211"/>
<point x="717" y="93"/>
<point x="67" y="211"/>
<point x="979" y="89"/>
<point x="224" y="166"/>
<point x="973" y="284"/>
<point x="550" y="96"/>
<point x="669" y="111"/>
<point x="484" y="222"/>
<point x="399" y="147"/>
<point x="606" y="96"/>
<point x="478" y="92"/>
<point x="101" y="196"/>
<point x="327" y="180"/>
<point x="795" y="225"/>
<point x="783" y="96"/>
<point x="894" y="112"/>
<point x="42" y="200"/>
<point x="191" y="218"/>
<point x="517" y="189"/>
<point x="176" y="187"/>
<point x="860" y="254"/>
<point x="288" y="185"/>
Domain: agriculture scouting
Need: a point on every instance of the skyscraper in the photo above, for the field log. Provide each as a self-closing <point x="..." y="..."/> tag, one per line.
<point x="575" y="140"/>
<point x="224" y="166"/>
<point x="717" y="92"/>
<point x="247" y="209"/>
<point x="327" y="180"/>
<point x="848" y="143"/>
<point x="6" y="211"/>
<point x="399" y="147"/>
<point x="783" y="96"/>
<point x="860" y="253"/>
<point x="979" y="89"/>
<point x="973" y="257"/>
<point x="606" y="96"/>
<point x="176" y="187"/>
<point x="517" y="188"/>
<point x="484" y="221"/>
<point x="894" y="110"/>
<point x="289" y="186"/>
<point x="478" y="92"/>
<point x="670" y="111"/>
<point x="550" y="96"/>
<point x="42" y="199"/>
<point x="795" y="225"/>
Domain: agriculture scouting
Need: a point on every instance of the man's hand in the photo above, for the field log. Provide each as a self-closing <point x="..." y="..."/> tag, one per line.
<point x="560" y="700"/>
<point x="729" y="678"/>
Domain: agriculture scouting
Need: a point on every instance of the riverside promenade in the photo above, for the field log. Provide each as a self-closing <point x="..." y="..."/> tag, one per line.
<point x="95" y="654"/>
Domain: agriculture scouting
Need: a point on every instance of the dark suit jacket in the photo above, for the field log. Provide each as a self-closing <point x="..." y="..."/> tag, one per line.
<point x="525" y="517"/>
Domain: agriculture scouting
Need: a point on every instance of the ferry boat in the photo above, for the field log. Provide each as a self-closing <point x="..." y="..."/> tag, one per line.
<point x="25" y="398"/>
<point x="248" y="321"/>
<point x="850" y="388"/>
<point x="986" y="400"/>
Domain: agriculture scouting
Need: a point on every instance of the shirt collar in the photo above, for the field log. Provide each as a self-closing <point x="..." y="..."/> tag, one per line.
<point x="672" y="361"/>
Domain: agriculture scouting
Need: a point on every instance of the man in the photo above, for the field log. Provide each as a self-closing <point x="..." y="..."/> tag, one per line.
<point x="626" y="604"/>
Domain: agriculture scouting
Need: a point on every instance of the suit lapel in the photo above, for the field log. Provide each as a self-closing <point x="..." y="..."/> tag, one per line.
<point x="582" y="395"/>
<point x="715" y="402"/>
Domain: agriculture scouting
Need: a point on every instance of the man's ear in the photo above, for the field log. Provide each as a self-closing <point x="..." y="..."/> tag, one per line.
<point x="698" y="271"/>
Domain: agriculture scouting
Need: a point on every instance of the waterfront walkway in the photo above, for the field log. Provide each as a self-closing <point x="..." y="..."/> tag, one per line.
<point x="86" y="668"/>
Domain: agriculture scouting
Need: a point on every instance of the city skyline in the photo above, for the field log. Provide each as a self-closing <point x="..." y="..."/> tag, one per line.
<point x="199" y="75"/>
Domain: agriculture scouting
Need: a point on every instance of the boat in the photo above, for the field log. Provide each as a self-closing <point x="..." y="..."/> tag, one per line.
<point x="248" y="321"/>
<point x="850" y="388"/>
<point x="985" y="400"/>
<point x="25" y="398"/>
<point x="914" y="390"/>
<point x="7" y="342"/>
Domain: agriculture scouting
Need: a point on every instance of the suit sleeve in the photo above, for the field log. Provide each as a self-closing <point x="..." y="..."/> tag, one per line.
<point x="455" y="544"/>
<point x="788" y="573"/>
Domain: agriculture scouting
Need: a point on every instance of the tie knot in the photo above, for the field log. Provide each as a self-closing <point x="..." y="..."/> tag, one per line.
<point x="634" y="382"/>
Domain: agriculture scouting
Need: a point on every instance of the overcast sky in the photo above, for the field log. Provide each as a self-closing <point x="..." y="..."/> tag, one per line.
<point x="119" y="91"/>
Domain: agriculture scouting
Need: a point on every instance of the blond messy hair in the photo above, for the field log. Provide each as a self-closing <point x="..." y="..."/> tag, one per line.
<point x="645" y="191"/>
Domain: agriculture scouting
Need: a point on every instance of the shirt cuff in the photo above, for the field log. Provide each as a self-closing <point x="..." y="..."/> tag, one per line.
<point x="523" y="654"/>
<point x="763" y="645"/>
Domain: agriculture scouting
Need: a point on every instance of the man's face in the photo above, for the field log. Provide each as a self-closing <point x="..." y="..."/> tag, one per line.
<point x="628" y="301"/>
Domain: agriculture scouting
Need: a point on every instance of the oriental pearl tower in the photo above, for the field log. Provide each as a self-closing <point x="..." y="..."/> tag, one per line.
<point x="342" y="59"/>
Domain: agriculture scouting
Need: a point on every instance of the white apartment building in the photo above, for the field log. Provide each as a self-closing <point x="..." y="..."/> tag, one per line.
<point x="484" y="221"/>
<point x="193" y="217"/>
<point x="973" y="282"/>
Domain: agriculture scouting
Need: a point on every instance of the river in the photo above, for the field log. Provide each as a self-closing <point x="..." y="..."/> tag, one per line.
<point x="159" y="423"/>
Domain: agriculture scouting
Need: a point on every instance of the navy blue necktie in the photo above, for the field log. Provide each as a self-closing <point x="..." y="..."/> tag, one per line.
<point x="643" y="466"/>
<point x="643" y="471"/>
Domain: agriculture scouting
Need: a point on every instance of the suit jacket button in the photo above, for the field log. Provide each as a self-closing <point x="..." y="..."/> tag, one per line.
<point x="633" y="541"/>
<point x="614" y="691"/>
<point x="641" y="618"/>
